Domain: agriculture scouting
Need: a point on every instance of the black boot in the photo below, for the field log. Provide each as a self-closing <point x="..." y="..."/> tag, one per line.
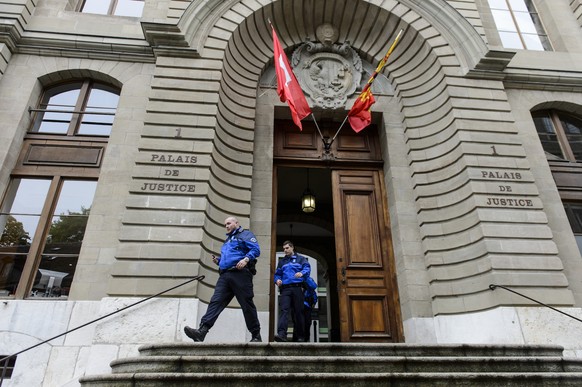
<point x="197" y="335"/>
<point x="256" y="338"/>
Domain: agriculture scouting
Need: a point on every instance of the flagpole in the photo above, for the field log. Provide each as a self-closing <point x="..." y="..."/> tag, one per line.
<point x="373" y="77"/>
<point x="340" y="128"/>
<point x="316" y="125"/>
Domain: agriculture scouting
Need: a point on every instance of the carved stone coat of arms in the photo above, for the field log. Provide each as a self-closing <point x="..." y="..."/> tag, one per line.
<point x="328" y="73"/>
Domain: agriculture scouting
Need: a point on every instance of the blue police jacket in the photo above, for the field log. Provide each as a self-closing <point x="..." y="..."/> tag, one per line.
<point x="239" y="243"/>
<point x="289" y="265"/>
<point x="310" y="298"/>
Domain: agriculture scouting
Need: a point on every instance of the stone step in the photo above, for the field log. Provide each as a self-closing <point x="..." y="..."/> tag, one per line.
<point x="346" y="349"/>
<point x="342" y="364"/>
<point x="545" y="379"/>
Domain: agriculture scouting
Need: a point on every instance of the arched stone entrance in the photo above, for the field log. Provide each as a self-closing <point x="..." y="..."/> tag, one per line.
<point x="435" y="138"/>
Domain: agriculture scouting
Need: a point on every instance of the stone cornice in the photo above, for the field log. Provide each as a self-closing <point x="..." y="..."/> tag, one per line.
<point x="543" y="80"/>
<point x="167" y="40"/>
<point x="495" y="65"/>
<point x="76" y="46"/>
<point x="492" y="65"/>
<point x="9" y="34"/>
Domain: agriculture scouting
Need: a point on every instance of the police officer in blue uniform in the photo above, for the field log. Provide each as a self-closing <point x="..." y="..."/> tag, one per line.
<point x="289" y="278"/>
<point x="236" y="267"/>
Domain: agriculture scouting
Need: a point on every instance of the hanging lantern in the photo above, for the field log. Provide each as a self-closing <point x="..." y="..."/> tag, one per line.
<point x="308" y="199"/>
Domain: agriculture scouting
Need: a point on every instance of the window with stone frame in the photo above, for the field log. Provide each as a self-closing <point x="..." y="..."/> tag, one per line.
<point x="519" y="25"/>
<point x="560" y="134"/>
<point x="44" y="211"/>
<point x="132" y="8"/>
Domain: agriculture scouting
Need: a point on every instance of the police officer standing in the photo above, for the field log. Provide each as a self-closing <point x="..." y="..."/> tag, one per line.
<point x="236" y="267"/>
<point x="289" y="278"/>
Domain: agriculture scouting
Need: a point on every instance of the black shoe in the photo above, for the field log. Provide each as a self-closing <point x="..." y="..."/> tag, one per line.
<point x="280" y="338"/>
<point x="197" y="335"/>
<point x="256" y="339"/>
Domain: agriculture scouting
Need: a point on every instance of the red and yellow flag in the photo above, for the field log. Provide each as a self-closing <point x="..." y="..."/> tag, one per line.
<point x="360" y="114"/>
<point x="288" y="88"/>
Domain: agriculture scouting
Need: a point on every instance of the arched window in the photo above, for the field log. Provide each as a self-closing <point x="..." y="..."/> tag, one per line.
<point x="45" y="210"/>
<point x="79" y="108"/>
<point x="560" y="133"/>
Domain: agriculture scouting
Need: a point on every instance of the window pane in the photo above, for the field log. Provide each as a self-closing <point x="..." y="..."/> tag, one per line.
<point x="102" y="99"/>
<point x="11" y="266"/>
<point x="548" y="136"/>
<point x="574" y="212"/>
<point x="19" y="219"/>
<point x="510" y="40"/>
<point x="17" y="230"/>
<point x="573" y="129"/>
<point x="579" y="241"/>
<point x="129" y="8"/>
<point x="533" y="42"/>
<point x="498" y="4"/>
<point x="53" y="122"/>
<point x="96" y="6"/>
<point x="518" y="5"/>
<point x="76" y="196"/>
<point x="64" y="239"/>
<point x="525" y="23"/>
<point x="102" y="102"/>
<point x="504" y="21"/>
<point x="26" y="196"/>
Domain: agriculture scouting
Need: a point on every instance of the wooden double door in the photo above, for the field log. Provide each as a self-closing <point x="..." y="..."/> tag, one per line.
<point x="365" y="283"/>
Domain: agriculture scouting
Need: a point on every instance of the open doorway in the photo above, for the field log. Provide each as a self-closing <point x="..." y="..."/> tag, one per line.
<point x="348" y="232"/>
<point x="313" y="236"/>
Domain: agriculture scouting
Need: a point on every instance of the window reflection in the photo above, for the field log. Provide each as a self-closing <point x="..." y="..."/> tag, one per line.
<point x="62" y="244"/>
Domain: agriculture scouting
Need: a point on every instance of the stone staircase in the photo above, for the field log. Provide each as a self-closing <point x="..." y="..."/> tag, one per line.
<point x="341" y="364"/>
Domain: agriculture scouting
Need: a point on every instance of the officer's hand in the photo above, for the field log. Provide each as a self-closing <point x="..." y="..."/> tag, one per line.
<point x="279" y="282"/>
<point x="298" y="275"/>
<point x="242" y="263"/>
<point x="214" y="259"/>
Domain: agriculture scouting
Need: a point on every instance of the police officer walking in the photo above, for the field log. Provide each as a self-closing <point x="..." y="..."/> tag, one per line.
<point x="236" y="267"/>
<point x="289" y="278"/>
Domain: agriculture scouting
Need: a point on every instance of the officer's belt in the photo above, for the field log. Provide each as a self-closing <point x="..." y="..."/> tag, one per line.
<point x="222" y="271"/>
<point x="295" y="285"/>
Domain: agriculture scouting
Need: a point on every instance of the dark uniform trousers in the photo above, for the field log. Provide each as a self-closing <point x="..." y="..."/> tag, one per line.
<point x="233" y="283"/>
<point x="291" y="298"/>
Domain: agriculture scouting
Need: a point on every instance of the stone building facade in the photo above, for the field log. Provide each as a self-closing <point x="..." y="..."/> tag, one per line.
<point x="468" y="177"/>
